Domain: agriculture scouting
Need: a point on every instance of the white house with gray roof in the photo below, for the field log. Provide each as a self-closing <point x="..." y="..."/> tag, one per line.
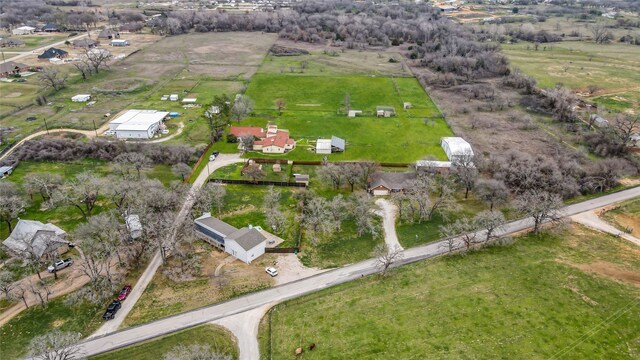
<point x="33" y="238"/>
<point x="246" y="244"/>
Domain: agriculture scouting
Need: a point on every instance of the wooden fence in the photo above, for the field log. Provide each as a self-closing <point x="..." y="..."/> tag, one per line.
<point x="318" y="163"/>
<point x="258" y="182"/>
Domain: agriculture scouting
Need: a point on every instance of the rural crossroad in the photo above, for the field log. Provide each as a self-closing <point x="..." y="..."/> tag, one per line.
<point x="294" y="289"/>
<point x="41" y="49"/>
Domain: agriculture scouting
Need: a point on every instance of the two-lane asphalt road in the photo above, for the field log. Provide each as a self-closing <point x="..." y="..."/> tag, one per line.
<point x="324" y="280"/>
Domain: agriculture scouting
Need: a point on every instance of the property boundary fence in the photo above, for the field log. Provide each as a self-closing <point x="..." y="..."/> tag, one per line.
<point x="258" y="182"/>
<point x="318" y="163"/>
<point x="195" y="172"/>
<point x="287" y="250"/>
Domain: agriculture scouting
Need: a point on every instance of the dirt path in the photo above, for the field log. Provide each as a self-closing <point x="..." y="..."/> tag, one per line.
<point x="590" y="219"/>
<point x="74" y="279"/>
<point x="388" y="214"/>
<point x="178" y="132"/>
<point x="42" y="49"/>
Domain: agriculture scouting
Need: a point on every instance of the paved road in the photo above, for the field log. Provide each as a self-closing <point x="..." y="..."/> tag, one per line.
<point x="311" y="284"/>
<point x="593" y="221"/>
<point x="41" y="49"/>
<point x="156" y="261"/>
<point x="388" y="214"/>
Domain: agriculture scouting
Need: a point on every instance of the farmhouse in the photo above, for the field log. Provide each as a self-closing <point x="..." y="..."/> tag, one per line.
<point x="12" y="68"/>
<point x="385" y="183"/>
<point x="53" y="53"/>
<point x="119" y="42"/>
<point x="85" y="43"/>
<point x="33" y="238"/>
<point x="456" y="148"/>
<point x="23" y="30"/>
<point x="50" y="28"/>
<point x="8" y="42"/>
<point x="137" y="124"/>
<point x="246" y="244"/>
<point x="271" y="141"/>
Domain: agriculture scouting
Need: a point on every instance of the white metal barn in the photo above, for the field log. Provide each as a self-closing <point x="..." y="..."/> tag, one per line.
<point x="455" y="148"/>
<point x="323" y="146"/>
<point x="23" y="30"/>
<point x="137" y="124"/>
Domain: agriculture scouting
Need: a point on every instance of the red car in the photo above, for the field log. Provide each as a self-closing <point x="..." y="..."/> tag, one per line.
<point x="124" y="292"/>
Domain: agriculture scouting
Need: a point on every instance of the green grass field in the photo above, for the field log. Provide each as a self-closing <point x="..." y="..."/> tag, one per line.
<point x="314" y="109"/>
<point x="18" y="332"/>
<point x="220" y="340"/>
<point x="568" y="295"/>
<point x="613" y="68"/>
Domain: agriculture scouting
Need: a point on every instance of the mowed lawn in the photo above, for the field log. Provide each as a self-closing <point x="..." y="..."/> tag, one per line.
<point x="569" y="295"/>
<point x="315" y="109"/>
<point x="613" y="68"/>
<point x="218" y="339"/>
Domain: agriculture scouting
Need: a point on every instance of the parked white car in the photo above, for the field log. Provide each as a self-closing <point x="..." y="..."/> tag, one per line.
<point x="272" y="271"/>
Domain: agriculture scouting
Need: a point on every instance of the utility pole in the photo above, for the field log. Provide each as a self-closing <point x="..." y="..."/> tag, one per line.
<point x="94" y="127"/>
<point x="45" y="125"/>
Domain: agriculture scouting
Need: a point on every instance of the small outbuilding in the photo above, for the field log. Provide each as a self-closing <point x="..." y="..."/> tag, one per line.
<point x="85" y="43"/>
<point x="302" y="179"/>
<point x="456" y="148"/>
<point x="338" y="144"/>
<point x="119" y="42"/>
<point x="81" y="98"/>
<point x="134" y="226"/>
<point x="354" y="113"/>
<point x="385" y="111"/>
<point x="108" y="34"/>
<point x="5" y="171"/>
<point x="323" y="146"/>
<point x="189" y="100"/>
<point x="173" y="97"/>
<point x="407" y="105"/>
<point x="599" y="121"/>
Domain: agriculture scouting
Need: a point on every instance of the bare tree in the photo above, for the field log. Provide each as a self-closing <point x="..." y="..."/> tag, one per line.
<point x="317" y="217"/>
<point x="247" y="142"/>
<point x="442" y="199"/>
<point x="84" y="67"/>
<point x="465" y="171"/>
<point x="136" y="160"/>
<point x="600" y="33"/>
<point x="280" y="105"/>
<point x="19" y="292"/>
<point x="242" y="107"/>
<point x="352" y="174"/>
<point x="52" y="78"/>
<point x="100" y="241"/>
<point x="491" y="191"/>
<point x="43" y="183"/>
<point x="331" y="173"/>
<point x="181" y="169"/>
<point x="210" y="195"/>
<point x="81" y="193"/>
<point x="490" y="221"/>
<point x="11" y="203"/>
<point x="386" y="256"/>
<point x="362" y="206"/>
<point x="218" y="115"/>
<point x="6" y="283"/>
<point x="55" y="345"/>
<point x="98" y="58"/>
<point x="254" y="172"/>
<point x="542" y="206"/>
<point x="464" y="229"/>
<point x="194" y="352"/>
<point x="271" y="205"/>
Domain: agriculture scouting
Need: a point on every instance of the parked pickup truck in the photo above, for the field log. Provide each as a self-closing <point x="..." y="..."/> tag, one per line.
<point x="59" y="265"/>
